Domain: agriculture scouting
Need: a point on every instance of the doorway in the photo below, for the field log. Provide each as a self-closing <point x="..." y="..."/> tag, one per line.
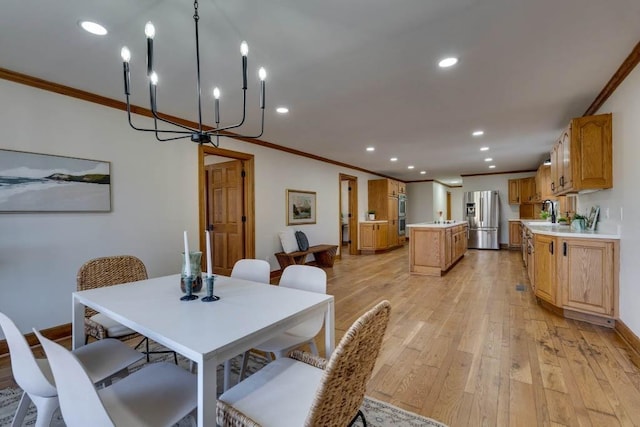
<point x="348" y="209"/>
<point x="226" y="206"/>
<point x="448" y="205"/>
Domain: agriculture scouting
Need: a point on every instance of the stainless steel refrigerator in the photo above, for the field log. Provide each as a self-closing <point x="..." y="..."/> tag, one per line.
<point x="482" y="210"/>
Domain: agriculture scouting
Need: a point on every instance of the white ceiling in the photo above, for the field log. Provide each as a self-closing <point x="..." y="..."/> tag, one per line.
<point x="353" y="73"/>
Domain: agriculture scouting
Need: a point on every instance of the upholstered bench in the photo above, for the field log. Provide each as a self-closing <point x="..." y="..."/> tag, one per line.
<point x="324" y="255"/>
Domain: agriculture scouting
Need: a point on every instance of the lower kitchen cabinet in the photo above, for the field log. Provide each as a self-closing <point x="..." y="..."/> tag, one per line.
<point x="544" y="277"/>
<point x="587" y="275"/>
<point x="578" y="276"/>
<point x="434" y="249"/>
<point x="374" y="235"/>
<point x="515" y="235"/>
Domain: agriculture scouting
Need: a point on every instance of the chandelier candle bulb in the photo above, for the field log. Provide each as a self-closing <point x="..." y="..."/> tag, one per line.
<point x="216" y="103"/>
<point x="262" y="73"/>
<point x="187" y="267"/>
<point x="244" y="50"/>
<point x="150" y="32"/>
<point x="126" y="56"/>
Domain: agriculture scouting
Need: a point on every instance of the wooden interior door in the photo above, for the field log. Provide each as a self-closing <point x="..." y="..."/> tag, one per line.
<point x="352" y="215"/>
<point x="448" y="205"/>
<point x="225" y="213"/>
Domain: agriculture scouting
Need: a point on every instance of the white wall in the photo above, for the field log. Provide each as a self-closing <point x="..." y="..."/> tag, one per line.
<point x="439" y="200"/>
<point x="419" y="202"/>
<point x="154" y="198"/>
<point x="622" y="203"/>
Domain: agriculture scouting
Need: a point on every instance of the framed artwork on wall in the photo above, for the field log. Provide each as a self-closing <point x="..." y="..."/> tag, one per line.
<point x="301" y="207"/>
<point x="32" y="182"/>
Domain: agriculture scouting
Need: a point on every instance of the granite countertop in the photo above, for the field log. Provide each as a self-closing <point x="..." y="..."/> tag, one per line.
<point x="542" y="227"/>
<point x="437" y="225"/>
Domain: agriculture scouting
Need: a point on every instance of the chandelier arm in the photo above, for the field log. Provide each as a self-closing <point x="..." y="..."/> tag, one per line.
<point x="154" y="111"/>
<point x="156" y="130"/>
<point x="237" y="125"/>
<point x="252" y="136"/>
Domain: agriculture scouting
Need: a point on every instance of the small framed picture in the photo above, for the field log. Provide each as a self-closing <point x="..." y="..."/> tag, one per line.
<point x="592" y="219"/>
<point x="301" y="207"/>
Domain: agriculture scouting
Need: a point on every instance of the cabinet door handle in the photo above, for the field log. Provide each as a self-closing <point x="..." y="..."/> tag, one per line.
<point x="562" y="181"/>
<point x="564" y="248"/>
<point x="553" y="186"/>
<point x="551" y="247"/>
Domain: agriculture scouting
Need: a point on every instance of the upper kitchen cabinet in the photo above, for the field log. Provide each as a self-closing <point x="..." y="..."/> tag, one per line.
<point x="543" y="183"/>
<point x="522" y="190"/>
<point x="402" y="188"/>
<point x="582" y="159"/>
<point x="527" y="190"/>
<point x="514" y="191"/>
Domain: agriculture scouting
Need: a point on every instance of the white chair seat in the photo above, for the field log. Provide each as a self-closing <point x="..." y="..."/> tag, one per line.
<point x="113" y="328"/>
<point x="103" y="357"/>
<point x="160" y="394"/>
<point x="281" y="344"/>
<point x="280" y="394"/>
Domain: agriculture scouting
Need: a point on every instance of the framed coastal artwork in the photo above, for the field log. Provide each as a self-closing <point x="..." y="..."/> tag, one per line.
<point x="31" y="182"/>
<point x="301" y="207"/>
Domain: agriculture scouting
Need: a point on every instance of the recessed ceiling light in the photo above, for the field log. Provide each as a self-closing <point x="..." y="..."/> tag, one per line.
<point x="394" y="159"/>
<point x="488" y="159"/>
<point x="282" y="110"/>
<point x="484" y="148"/>
<point x="423" y="172"/>
<point x="455" y="181"/>
<point x="93" y="28"/>
<point x="448" y="62"/>
<point x="410" y="167"/>
<point x="371" y="149"/>
<point x="492" y="166"/>
<point x="478" y="133"/>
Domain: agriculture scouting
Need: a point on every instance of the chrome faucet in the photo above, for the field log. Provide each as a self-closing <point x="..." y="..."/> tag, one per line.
<point x="553" y="210"/>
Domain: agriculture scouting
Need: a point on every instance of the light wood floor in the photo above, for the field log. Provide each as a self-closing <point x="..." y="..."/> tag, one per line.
<point x="469" y="349"/>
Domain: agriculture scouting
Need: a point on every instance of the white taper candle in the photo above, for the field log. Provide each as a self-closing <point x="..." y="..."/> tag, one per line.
<point x="209" y="264"/>
<point x="187" y="258"/>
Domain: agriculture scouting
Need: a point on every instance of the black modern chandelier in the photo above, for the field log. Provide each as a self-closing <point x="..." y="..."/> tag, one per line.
<point x="180" y="131"/>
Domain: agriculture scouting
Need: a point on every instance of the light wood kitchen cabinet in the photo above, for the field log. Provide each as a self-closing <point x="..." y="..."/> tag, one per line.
<point x="543" y="183"/>
<point x="587" y="275"/>
<point x="576" y="276"/>
<point x="434" y="249"/>
<point x="383" y="199"/>
<point x="515" y="235"/>
<point x="393" y="238"/>
<point x="544" y="276"/>
<point x="527" y="189"/>
<point x="373" y="235"/>
<point x="402" y="188"/>
<point x="514" y="191"/>
<point x="582" y="159"/>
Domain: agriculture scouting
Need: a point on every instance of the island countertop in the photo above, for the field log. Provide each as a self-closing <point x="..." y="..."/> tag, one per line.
<point x="437" y="225"/>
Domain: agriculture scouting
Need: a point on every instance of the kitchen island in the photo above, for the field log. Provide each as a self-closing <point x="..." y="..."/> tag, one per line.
<point x="435" y="247"/>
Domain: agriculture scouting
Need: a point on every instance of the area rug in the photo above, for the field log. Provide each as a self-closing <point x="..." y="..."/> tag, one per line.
<point x="377" y="413"/>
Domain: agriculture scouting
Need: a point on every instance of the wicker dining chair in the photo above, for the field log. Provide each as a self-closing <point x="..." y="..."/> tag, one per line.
<point x="304" y="389"/>
<point x="109" y="271"/>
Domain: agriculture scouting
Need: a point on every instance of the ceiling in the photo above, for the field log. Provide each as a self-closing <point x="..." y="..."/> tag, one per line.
<point x="353" y="73"/>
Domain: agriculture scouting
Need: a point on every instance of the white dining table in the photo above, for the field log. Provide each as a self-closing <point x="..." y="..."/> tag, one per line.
<point x="208" y="333"/>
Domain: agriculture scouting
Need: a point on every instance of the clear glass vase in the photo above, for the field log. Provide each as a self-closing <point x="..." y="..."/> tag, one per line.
<point x="195" y="261"/>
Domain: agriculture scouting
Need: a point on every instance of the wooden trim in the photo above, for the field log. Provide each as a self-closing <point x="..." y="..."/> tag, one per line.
<point x="627" y="335"/>
<point x="618" y="77"/>
<point x="119" y="105"/>
<point x="54" y="333"/>
<point x="496" y="173"/>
